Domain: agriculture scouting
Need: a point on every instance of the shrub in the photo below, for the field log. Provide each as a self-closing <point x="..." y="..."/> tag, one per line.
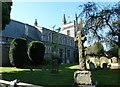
<point x="46" y="62"/>
<point x="113" y="52"/>
<point x="56" y="56"/>
<point x="36" y="52"/>
<point x="96" y="49"/>
<point x="18" y="52"/>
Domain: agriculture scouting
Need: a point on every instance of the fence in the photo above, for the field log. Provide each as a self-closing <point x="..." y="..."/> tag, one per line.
<point x="16" y="83"/>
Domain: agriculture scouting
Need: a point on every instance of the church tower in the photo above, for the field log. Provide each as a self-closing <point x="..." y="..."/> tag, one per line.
<point x="70" y="28"/>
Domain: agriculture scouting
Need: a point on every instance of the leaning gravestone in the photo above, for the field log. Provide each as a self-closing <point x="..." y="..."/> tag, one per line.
<point x="92" y="66"/>
<point x="82" y="77"/>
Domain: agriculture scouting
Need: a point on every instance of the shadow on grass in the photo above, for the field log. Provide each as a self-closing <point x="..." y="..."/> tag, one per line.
<point x="42" y="76"/>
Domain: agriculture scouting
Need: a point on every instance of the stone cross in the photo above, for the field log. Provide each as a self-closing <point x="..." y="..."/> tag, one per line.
<point x="80" y="38"/>
<point x="82" y="77"/>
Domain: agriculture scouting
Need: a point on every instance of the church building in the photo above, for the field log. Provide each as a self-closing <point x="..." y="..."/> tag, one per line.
<point x="63" y="43"/>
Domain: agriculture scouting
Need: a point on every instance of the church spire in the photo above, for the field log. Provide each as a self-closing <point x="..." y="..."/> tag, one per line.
<point x="76" y="17"/>
<point x="64" y="20"/>
<point x="76" y="20"/>
<point x="36" y="24"/>
<point x="76" y="24"/>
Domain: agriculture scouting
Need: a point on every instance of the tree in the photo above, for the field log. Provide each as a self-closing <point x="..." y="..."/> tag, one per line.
<point x="6" y="9"/>
<point x="96" y="49"/>
<point x="18" y="52"/>
<point x="102" y="23"/>
<point x="113" y="52"/>
<point x="36" y="52"/>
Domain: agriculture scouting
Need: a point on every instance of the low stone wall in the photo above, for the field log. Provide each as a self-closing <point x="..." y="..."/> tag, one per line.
<point x="102" y="62"/>
<point x="115" y="66"/>
<point x="114" y="59"/>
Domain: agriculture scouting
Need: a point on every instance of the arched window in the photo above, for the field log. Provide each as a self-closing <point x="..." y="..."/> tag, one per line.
<point x="68" y="32"/>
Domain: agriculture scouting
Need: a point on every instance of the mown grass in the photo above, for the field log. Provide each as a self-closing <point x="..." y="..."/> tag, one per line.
<point x="107" y="77"/>
<point x="42" y="76"/>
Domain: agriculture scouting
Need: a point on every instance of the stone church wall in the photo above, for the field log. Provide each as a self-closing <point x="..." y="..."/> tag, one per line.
<point x="4" y="55"/>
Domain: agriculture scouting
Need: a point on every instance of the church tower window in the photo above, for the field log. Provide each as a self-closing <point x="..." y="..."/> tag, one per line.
<point x="68" y="32"/>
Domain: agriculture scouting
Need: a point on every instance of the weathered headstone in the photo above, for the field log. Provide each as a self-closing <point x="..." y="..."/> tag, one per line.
<point x="92" y="66"/>
<point x="83" y="77"/>
<point x="114" y="59"/>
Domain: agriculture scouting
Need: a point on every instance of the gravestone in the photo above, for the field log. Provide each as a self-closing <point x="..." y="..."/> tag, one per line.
<point x="82" y="77"/>
<point x="114" y="59"/>
<point x="92" y="66"/>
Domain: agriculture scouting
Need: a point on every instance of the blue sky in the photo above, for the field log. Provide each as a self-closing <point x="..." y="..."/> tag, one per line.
<point x="47" y="14"/>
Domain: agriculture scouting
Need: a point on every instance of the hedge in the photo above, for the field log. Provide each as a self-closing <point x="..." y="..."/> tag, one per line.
<point x="119" y="52"/>
<point x="18" y="52"/>
<point x="36" y="50"/>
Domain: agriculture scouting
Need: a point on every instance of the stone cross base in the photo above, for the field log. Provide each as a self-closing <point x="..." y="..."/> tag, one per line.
<point x="83" y="79"/>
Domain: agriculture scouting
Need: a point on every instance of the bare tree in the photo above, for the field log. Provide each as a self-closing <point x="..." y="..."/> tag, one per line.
<point x="102" y="23"/>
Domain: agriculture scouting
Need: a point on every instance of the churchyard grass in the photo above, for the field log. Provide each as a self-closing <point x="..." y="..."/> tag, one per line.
<point x="40" y="75"/>
<point x="64" y="78"/>
<point x="108" y="77"/>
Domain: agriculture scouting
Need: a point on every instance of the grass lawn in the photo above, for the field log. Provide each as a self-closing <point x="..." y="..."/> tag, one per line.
<point x="42" y="76"/>
<point x="110" y="78"/>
